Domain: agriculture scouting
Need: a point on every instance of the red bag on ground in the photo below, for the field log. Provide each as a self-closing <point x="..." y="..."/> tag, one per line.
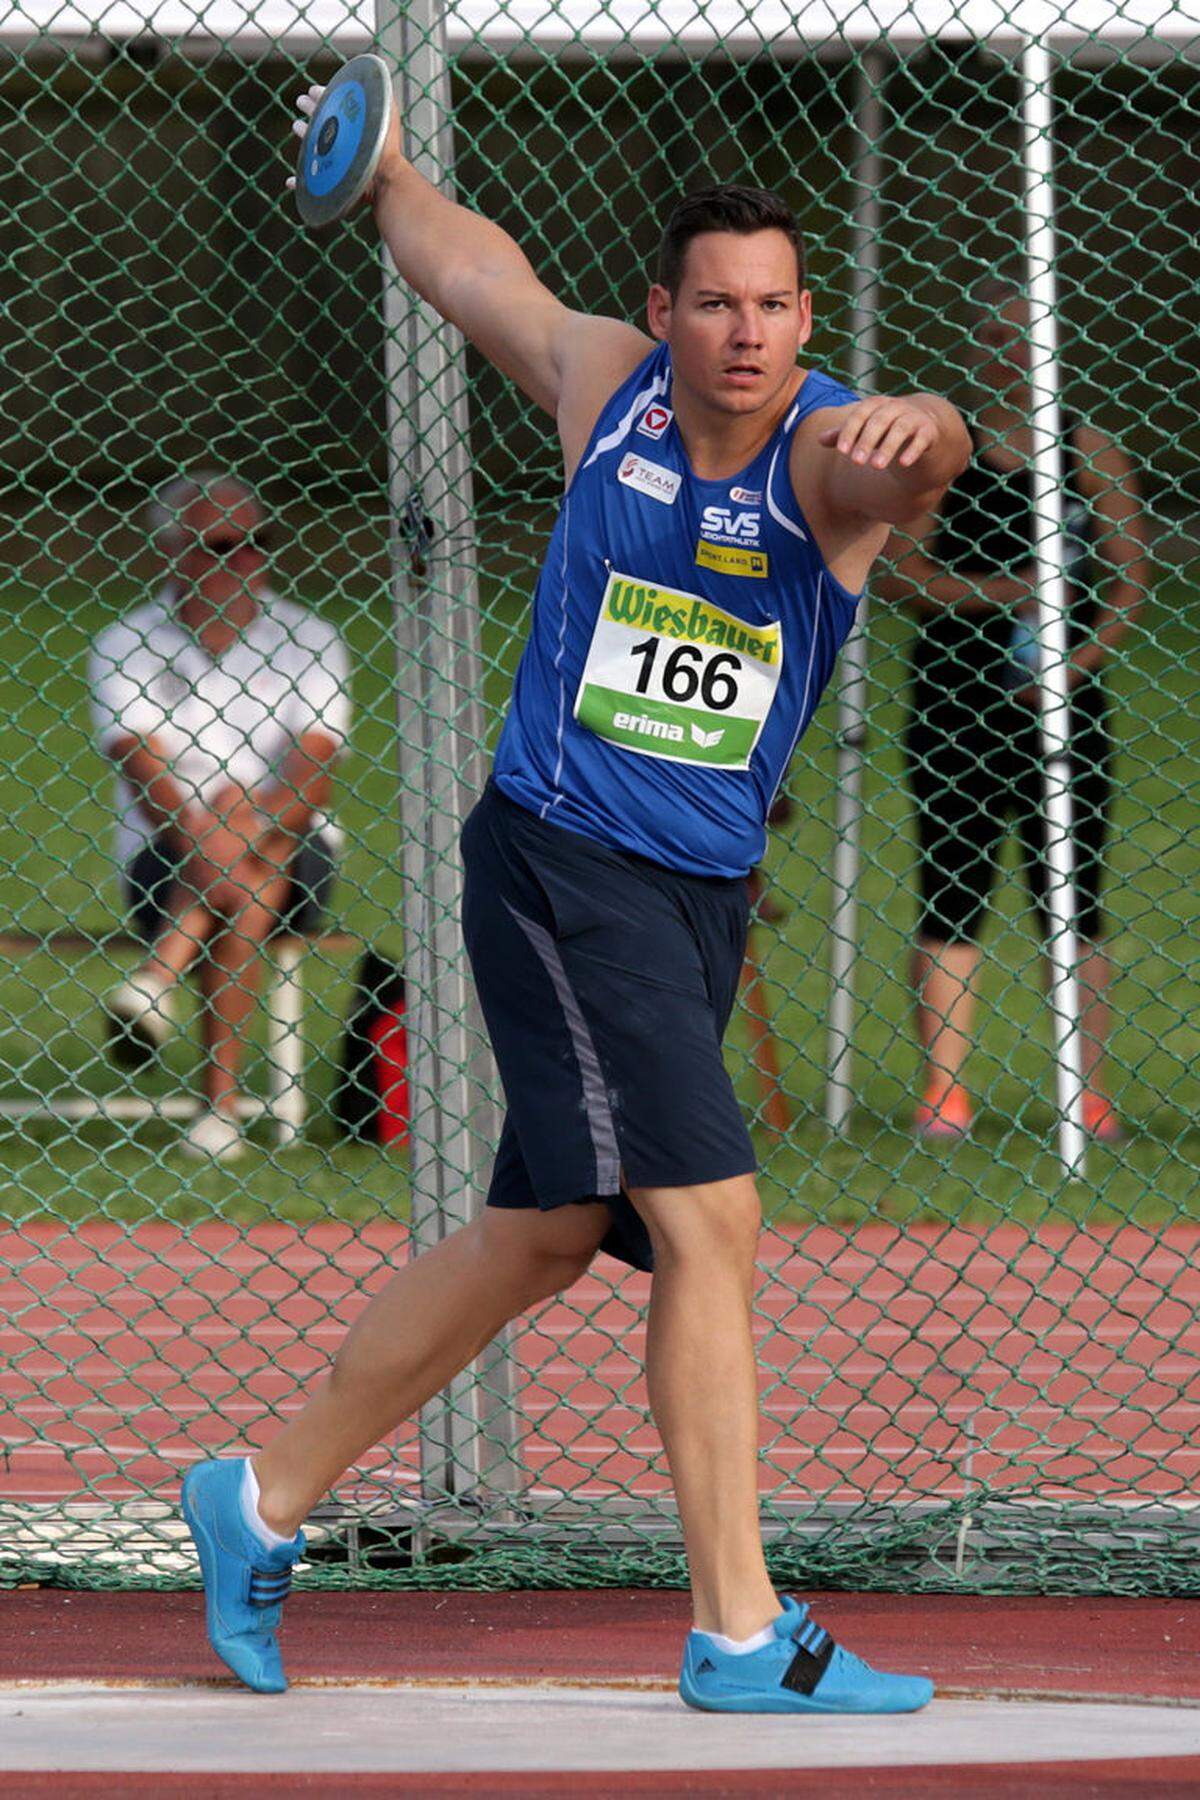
<point x="371" y="1100"/>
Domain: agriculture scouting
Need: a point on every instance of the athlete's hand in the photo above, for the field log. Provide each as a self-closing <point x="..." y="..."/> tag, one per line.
<point x="307" y="104"/>
<point x="881" y="431"/>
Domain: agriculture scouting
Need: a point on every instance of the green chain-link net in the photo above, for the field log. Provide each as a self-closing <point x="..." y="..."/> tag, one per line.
<point x="978" y="1371"/>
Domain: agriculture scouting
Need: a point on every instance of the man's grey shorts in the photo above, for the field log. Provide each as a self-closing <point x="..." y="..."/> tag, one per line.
<point x="154" y="871"/>
<point x="606" y="983"/>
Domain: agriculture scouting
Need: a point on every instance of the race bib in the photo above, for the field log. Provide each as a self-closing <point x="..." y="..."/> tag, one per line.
<point x="669" y="674"/>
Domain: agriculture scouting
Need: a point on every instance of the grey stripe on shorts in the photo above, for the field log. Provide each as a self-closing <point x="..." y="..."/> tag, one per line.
<point x="595" y="1095"/>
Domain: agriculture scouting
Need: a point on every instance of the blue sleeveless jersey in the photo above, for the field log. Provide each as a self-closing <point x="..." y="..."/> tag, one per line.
<point x="682" y="634"/>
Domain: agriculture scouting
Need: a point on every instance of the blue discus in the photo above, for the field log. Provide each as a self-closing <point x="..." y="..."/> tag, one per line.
<point x="341" y="149"/>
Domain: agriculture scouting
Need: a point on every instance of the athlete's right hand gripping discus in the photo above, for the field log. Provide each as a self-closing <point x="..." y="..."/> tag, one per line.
<point x="343" y="141"/>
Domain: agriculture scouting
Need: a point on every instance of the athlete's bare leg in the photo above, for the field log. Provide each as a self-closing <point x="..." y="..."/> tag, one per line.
<point x="421" y="1329"/>
<point x="943" y="979"/>
<point x="703" y="1382"/>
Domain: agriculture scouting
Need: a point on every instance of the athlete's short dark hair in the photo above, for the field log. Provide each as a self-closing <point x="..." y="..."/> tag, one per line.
<point x="730" y="208"/>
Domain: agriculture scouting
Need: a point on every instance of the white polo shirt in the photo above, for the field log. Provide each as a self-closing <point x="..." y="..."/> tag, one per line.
<point x="234" y="719"/>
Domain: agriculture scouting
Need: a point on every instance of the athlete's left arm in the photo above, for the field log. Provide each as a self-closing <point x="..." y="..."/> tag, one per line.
<point x="1108" y="483"/>
<point x="887" y="458"/>
<point x="858" y="470"/>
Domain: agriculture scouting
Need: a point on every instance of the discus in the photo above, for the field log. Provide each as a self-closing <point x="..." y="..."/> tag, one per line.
<point x="340" y="151"/>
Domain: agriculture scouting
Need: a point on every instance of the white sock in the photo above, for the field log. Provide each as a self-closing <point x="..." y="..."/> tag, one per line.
<point x="250" y="1513"/>
<point x="742" y="1646"/>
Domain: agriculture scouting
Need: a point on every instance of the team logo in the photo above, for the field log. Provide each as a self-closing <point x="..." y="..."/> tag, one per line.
<point x="724" y="526"/>
<point x="654" y="420"/>
<point x="745" y="497"/>
<point x="649" y="478"/>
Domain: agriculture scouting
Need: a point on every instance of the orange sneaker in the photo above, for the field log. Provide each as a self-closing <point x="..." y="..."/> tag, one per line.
<point x="1100" y="1118"/>
<point x="945" y="1112"/>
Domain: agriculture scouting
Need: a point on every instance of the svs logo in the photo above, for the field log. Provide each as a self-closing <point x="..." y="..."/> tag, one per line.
<point x="736" y="527"/>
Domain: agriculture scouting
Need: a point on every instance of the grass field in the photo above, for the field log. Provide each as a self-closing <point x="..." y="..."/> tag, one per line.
<point x="56" y="870"/>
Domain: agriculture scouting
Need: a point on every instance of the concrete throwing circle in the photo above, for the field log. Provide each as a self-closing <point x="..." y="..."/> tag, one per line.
<point x="409" y="1728"/>
<point x="340" y="150"/>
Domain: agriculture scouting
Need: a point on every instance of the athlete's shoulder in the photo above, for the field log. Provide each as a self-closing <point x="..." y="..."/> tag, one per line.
<point x="602" y="357"/>
<point x="847" y="541"/>
<point x="639" y="402"/>
<point x="817" y="392"/>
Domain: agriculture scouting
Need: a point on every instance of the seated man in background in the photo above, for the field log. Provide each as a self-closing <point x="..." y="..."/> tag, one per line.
<point x="223" y="708"/>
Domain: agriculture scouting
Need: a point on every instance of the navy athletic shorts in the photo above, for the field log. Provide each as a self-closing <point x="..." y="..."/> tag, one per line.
<point x="155" y="870"/>
<point x="606" y="982"/>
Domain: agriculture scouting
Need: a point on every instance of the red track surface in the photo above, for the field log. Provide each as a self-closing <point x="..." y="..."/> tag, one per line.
<point x="1131" y="1649"/>
<point x="1073" y="1356"/>
<point x="1136" y="1649"/>
<point x="1168" y="1778"/>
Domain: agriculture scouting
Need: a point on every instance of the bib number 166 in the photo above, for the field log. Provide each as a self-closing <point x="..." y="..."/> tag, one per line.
<point x="686" y="671"/>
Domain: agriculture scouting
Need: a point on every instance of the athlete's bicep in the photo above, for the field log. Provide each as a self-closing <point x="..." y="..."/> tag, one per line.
<point x="848" y="540"/>
<point x="858" y="492"/>
<point x="516" y="323"/>
<point x="568" y="363"/>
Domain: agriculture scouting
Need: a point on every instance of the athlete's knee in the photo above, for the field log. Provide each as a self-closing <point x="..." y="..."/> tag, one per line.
<point x="536" y="1254"/>
<point x="554" y="1272"/>
<point x="714" y="1224"/>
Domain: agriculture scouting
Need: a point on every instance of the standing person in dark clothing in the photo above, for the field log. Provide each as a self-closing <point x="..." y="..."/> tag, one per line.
<point x="973" y="744"/>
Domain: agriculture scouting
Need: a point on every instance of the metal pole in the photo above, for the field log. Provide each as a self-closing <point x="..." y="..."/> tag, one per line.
<point x="288" y="1103"/>
<point x="468" y="1433"/>
<point x="1052" y="672"/>
<point x="852" y="690"/>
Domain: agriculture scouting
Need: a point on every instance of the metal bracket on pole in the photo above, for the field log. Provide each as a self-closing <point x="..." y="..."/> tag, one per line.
<point x="852" y="690"/>
<point x="468" y="1434"/>
<point x="1053" y="646"/>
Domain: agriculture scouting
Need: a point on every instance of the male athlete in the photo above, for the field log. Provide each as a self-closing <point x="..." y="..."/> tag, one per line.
<point x="723" y="508"/>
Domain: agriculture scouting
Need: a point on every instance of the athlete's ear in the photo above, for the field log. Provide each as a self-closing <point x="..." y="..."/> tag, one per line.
<point x="804" y="317"/>
<point x="658" y="313"/>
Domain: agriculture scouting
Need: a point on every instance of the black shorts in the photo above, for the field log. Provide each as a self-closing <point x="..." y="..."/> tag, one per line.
<point x="155" y="870"/>
<point x="975" y="764"/>
<point x="606" y="983"/>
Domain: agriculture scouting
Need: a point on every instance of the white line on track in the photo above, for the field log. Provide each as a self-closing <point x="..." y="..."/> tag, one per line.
<point x="426" y="1728"/>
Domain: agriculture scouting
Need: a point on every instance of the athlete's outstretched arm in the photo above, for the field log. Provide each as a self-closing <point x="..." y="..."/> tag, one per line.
<point x="888" y="458"/>
<point x="476" y="276"/>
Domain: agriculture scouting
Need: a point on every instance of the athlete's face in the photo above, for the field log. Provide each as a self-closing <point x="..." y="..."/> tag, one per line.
<point x="738" y="320"/>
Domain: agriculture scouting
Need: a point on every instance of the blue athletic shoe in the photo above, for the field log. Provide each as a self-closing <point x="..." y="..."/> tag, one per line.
<point x="803" y="1671"/>
<point x="245" y="1584"/>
